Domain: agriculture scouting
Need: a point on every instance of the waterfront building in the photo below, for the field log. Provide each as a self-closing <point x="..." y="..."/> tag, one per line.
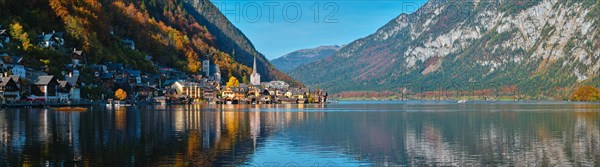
<point x="9" y="89"/>
<point x="188" y="89"/>
<point x="46" y="86"/>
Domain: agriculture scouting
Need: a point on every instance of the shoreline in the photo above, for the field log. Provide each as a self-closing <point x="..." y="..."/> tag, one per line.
<point x="340" y="101"/>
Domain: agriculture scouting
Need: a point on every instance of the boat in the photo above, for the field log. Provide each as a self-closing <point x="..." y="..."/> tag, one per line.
<point x="77" y="109"/>
<point x="462" y="101"/>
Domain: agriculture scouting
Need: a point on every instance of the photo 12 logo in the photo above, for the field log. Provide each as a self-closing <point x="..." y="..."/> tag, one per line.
<point x="272" y="11"/>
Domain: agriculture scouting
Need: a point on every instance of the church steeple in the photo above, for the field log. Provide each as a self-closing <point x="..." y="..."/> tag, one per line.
<point x="254" y="66"/>
<point x="255" y="76"/>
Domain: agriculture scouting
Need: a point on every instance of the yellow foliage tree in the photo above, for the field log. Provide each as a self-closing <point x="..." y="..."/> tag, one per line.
<point x="586" y="93"/>
<point x="120" y="94"/>
<point x="311" y="98"/>
<point x="233" y="82"/>
<point x="17" y="32"/>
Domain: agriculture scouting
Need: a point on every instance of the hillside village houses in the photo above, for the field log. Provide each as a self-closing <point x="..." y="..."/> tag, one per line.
<point x="168" y="85"/>
<point x="53" y="39"/>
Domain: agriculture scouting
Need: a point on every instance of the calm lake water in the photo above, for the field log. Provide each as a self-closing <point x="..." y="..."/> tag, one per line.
<point x="344" y="134"/>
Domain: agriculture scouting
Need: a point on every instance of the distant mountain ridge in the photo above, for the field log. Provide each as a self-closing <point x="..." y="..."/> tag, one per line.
<point x="539" y="46"/>
<point x="290" y="61"/>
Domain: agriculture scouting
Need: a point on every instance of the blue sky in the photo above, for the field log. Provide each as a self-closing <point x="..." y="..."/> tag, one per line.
<point x="279" y="27"/>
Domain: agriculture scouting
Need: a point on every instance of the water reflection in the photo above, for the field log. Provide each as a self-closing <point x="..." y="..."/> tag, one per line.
<point x="307" y="135"/>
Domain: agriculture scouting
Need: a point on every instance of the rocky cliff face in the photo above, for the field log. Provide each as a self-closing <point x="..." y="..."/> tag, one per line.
<point x="532" y="44"/>
<point x="290" y="61"/>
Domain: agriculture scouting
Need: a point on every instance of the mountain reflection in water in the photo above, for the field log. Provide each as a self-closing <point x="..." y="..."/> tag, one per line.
<point x="345" y="134"/>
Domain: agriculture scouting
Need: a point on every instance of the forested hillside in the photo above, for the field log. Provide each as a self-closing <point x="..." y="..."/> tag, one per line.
<point x="169" y="31"/>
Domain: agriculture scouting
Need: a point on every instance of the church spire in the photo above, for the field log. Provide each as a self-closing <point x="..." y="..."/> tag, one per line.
<point x="255" y="76"/>
<point x="254" y="66"/>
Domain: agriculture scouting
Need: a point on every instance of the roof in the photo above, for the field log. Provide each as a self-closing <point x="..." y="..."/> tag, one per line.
<point x="145" y="87"/>
<point x="134" y="73"/>
<point x="49" y="36"/>
<point x="11" y="59"/>
<point x="72" y="80"/>
<point x="69" y="67"/>
<point x="44" y="80"/>
<point x="15" y="78"/>
<point x="77" y="52"/>
<point x="106" y="75"/>
<point x="188" y="84"/>
<point x="4" y="81"/>
<point x="62" y="84"/>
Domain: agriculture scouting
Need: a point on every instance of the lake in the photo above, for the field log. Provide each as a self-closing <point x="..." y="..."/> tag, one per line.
<point x="371" y="133"/>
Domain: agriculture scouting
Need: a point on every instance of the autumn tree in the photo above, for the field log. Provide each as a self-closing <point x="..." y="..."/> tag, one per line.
<point x="311" y="98"/>
<point x="120" y="94"/>
<point x="17" y="32"/>
<point x="245" y="80"/>
<point x="586" y="93"/>
<point x="233" y="82"/>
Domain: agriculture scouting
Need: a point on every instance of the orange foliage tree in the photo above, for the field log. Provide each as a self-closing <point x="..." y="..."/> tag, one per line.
<point x="120" y="94"/>
<point x="586" y="93"/>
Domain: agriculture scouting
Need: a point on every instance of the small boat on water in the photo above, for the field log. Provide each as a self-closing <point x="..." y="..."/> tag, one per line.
<point x="76" y="109"/>
<point x="462" y="101"/>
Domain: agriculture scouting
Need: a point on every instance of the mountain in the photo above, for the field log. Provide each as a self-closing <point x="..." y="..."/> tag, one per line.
<point x="175" y="33"/>
<point x="536" y="46"/>
<point x="230" y="38"/>
<point x="290" y="61"/>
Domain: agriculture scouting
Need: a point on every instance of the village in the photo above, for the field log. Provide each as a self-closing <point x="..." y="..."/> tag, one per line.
<point x="81" y="83"/>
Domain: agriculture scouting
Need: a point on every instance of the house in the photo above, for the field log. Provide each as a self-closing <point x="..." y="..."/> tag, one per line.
<point x="301" y="95"/>
<point x="240" y="92"/>
<point x="129" y="43"/>
<point x="54" y="40"/>
<point x="14" y="63"/>
<point x="228" y="93"/>
<point x="78" y="58"/>
<point x="100" y="68"/>
<point x="63" y="91"/>
<point x="107" y="80"/>
<point x="209" y="93"/>
<point x="75" y="84"/>
<point x="191" y="90"/>
<point x="134" y="76"/>
<point x="281" y="85"/>
<point x="266" y="97"/>
<point x="151" y="79"/>
<point x="321" y="96"/>
<point x="114" y="67"/>
<point x="46" y="86"/>
<point x="145" y="92"/>
<point x="8" y="61"/>
<point x="9" y="89"/>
